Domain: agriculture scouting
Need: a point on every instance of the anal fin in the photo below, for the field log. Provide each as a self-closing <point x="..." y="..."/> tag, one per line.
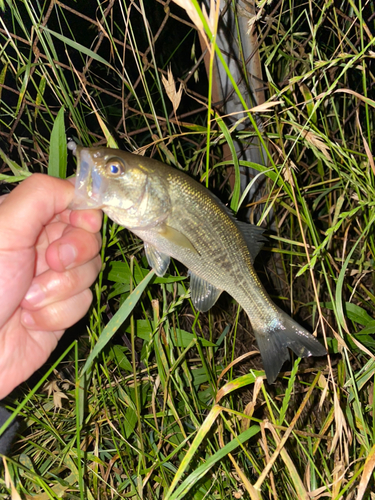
<point x="203" y="294"/>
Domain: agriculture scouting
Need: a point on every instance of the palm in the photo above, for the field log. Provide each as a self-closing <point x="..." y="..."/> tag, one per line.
<point x="22" y="351"/>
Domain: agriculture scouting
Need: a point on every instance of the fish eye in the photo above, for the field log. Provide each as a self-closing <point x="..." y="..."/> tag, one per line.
<point x="114" y="168"/>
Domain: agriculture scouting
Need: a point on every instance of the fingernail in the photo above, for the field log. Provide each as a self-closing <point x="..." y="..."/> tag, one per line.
<point x="27" y="319"/>
<point x="67" y="254"/>
<point x="35" y="295"/>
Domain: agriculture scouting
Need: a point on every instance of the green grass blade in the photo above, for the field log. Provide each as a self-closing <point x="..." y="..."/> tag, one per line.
<point x="200" y="472"/>
<point x="117" y="320"/>
<point x="58" y="151"/>
<point x="77" y="46"/>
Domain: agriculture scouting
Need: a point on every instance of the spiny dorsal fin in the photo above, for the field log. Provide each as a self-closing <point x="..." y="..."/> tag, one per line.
<point x="253" y="237"/>
<point x="252" y="234"/>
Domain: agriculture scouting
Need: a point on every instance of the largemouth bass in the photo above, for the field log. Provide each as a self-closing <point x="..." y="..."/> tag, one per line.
<point x="177" y="217"/>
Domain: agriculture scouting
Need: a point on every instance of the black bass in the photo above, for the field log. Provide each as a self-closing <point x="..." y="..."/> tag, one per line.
<point x="177" y="217"/>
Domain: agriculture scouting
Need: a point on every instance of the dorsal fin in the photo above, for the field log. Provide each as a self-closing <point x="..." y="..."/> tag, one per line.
<point x="253" y="236"/>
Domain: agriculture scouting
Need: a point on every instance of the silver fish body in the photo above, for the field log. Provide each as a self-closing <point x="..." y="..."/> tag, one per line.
<point x="177" y="217"/>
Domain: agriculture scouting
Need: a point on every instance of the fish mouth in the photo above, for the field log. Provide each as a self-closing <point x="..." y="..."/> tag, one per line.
<point x="89" y="184"/>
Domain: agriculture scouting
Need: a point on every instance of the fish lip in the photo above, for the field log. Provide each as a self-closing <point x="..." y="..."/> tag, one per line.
<point x="89" y="185"/>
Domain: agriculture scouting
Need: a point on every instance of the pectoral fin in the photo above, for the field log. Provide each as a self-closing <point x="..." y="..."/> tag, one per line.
<point x="176" y="237"/>
<point x="203" y="294"/>
<point x="157" y="260"/>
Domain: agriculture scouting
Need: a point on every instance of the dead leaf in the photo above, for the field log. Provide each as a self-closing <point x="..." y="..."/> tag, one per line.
<point x="341" y="425"/>
<point x="366" y="474"/>
<point x="316" y="141"/>
<point x="368" y="101"/>
<point x="192" y="13"/>
<point x="287" y="172"/>
<point x="367" y="148"/>
<point x="266" y="106"/>
<point x="210" y="18"/>
<point x="170" y="88"/>
<point x="249" y="409"/>
<point x="9" y="482"/>
<point x="58" y="395"/>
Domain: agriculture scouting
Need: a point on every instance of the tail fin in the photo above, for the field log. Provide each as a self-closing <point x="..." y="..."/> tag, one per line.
<point x="274" y="340"/>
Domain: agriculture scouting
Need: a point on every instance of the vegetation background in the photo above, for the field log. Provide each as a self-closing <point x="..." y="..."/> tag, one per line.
<point x="155" y="400"/>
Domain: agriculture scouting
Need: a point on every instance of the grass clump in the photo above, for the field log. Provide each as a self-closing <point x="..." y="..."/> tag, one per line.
<point x="165" y="408"/>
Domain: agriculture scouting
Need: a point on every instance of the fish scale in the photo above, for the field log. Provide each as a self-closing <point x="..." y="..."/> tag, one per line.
<point x="230" y="251"/>
<point x="178" y="217"/>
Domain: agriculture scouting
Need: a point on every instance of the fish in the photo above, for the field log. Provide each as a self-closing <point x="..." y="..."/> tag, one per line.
<point x="177" y="217"/>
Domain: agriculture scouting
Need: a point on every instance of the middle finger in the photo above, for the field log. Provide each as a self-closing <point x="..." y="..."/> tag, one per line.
<point x="52" y="286"/>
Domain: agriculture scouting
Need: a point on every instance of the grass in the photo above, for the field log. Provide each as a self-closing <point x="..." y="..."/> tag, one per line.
<point x="155" y="400"/>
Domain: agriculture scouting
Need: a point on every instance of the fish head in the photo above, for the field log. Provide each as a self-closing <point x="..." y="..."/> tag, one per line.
<point x="120" y="184"/>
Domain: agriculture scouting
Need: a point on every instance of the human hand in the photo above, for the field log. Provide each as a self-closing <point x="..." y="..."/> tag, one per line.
<point x="48" y="260"/>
